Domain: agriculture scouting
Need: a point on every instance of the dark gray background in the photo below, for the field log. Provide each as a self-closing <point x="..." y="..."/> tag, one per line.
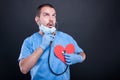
<point x="93" y="23"/>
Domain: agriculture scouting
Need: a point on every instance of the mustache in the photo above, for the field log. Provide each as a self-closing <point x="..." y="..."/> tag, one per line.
<point x="50" y="23"/>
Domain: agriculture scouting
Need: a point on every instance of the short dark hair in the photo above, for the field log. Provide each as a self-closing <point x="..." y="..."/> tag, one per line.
<point x="41" y="6"/>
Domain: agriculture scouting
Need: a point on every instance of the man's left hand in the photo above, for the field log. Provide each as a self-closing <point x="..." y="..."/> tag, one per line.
<point x="72" y="58"/>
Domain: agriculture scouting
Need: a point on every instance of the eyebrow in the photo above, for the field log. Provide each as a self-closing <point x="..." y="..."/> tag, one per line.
<point x="45" y="13"/>
<point x="48" y="13"/>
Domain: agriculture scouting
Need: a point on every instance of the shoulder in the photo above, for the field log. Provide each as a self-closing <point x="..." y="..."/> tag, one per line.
<point x="63" y="34"/>
<point x="31" y="37"/>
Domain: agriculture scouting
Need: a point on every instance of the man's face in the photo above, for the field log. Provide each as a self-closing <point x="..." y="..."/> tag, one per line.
<point x="47" y="17"/>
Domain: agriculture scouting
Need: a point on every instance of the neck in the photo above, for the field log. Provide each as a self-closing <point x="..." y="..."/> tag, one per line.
<point x="40" y="32"/>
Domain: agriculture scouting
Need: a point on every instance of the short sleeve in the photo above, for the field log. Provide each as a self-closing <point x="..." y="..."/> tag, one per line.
<point x="26" y="49"/>
<point x="77" y="48"/>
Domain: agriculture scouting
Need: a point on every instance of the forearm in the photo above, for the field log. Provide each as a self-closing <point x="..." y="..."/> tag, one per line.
<point x="27" y="63"/>
<point x="83" y="56"/>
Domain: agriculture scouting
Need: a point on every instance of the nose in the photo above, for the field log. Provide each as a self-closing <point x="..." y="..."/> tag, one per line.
<point x="51" y="21"/>
<point x="51" y="18"/>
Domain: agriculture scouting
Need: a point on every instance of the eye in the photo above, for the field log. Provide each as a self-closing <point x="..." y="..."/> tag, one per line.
<point x="54" y="15"/>
<point x="45" y="14"/>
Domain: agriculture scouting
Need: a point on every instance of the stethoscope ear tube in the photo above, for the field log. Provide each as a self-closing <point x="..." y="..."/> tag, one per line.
<point x="57" y="74"/>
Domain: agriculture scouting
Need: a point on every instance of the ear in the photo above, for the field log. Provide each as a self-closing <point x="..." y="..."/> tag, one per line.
<point x="37" y="20"/>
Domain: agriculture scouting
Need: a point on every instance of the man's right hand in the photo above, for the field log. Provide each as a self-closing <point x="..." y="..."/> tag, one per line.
<point x="46" y="39"/>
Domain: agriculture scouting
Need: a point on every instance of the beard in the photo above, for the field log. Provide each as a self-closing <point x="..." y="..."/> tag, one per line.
<point x="51" y="24"/>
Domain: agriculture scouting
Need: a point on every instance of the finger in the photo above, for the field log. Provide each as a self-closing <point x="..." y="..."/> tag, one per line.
<point x="47" y="33"/>
<point x="66" y="55"/>
<point x="51" y="38"/>
<point x="68" y="63"/>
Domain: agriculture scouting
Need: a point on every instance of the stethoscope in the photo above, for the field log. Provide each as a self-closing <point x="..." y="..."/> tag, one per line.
<point x="57" y="74"/>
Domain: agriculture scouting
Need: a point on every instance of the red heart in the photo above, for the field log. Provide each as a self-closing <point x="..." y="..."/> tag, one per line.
<point x="59" y="49"/>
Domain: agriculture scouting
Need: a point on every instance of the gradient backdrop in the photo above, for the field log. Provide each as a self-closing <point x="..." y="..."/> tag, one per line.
<point x="95" y="25"/>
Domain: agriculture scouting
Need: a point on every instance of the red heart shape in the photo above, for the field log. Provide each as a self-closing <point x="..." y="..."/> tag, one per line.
<point x="58" y="50"/>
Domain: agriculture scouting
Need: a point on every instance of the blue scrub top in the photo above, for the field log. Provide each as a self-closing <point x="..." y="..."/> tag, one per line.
<point x="41" y="70"/>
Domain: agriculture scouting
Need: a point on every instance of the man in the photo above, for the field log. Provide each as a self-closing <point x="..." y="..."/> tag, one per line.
<point x="47" y="54"/>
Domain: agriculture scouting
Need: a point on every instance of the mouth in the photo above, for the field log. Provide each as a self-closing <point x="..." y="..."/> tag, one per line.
<point x="50" y="25"/>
